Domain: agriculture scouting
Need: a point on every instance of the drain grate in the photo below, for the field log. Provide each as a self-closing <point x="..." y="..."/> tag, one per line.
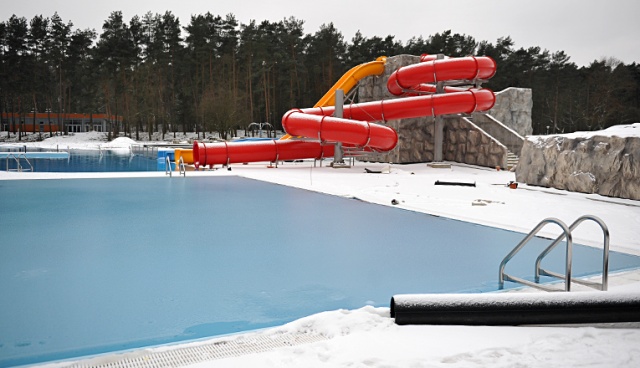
<point x="193" y="354"/>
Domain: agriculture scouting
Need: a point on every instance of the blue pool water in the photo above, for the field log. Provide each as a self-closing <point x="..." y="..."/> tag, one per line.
<point x="97" y="265"/>
<point x="88" y="161"/>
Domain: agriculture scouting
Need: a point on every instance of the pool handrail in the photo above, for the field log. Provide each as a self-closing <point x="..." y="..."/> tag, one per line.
<point x="568" y="257"/>
<point x="167" y="166"/>
<point x="182" y="167"/>
<point x="603" y="286"/>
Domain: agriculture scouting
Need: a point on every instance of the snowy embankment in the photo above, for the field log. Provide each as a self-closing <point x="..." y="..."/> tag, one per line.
<point x="368" y="337"/>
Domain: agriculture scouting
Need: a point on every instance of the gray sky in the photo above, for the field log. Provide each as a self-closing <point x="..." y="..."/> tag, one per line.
<point x="586" y="30"/>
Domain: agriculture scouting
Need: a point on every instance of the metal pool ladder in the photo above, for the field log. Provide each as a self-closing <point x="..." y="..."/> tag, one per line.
<point x="566" y="234"/>
<point x="17" y="157"/>
<point x="182" y="167"/>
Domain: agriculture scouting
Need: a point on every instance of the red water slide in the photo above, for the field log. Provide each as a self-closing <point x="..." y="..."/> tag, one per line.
<point x="419" y="77"/>
<point x="320" y="129"/>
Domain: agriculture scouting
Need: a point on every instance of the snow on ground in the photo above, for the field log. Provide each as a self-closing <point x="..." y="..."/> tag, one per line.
<point x="368" y="337"/>
<point x="622" y="131"/>
<point x="91" y="140"/>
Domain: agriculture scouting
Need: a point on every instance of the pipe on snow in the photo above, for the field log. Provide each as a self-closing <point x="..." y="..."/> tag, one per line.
<point x="515" y="308"/>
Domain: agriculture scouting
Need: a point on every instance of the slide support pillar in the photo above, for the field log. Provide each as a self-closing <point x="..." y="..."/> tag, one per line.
<point x="338" y="152"/>
<point x="438" y="135"/>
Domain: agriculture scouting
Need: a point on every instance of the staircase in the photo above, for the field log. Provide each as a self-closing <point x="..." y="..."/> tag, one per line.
<point x="512" y="160"/>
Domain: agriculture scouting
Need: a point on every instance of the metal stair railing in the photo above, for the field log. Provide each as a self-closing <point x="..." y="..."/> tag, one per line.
<point x="605" y="256"/>
<point x="566" y="235"/>
<point x="503" y="276"/>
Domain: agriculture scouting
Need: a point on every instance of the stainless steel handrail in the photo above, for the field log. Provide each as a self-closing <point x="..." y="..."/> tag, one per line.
<point x="605" y="255"/>
<point x="182" y="167"/>
<point x="167" y="166"/>
<point x="569" y="256"/>
<point x="28" y="162"/>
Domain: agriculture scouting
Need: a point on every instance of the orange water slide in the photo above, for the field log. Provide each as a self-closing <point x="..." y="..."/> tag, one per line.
<point x="355" y="128"/>
<point x="351" y="78"/>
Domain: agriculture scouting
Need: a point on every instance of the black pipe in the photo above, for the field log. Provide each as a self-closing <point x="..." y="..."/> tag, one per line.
<point x="438" y="182"/>
<point x="511" y="309"/>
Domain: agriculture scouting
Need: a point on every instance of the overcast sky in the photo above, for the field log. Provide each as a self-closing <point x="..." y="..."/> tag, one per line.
<point x="586" y="30"/>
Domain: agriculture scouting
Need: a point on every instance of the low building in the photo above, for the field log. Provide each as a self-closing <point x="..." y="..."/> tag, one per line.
<point x="46" y="122"/>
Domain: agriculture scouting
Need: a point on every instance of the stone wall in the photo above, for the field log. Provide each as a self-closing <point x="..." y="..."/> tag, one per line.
<point x="415" y="142"/>
<point x="606" y="165"/>
<point x="499" y="131"/>
<point x="374" y="88"/>
<point x="513" y="109"/>
<point x="466" y="143"/>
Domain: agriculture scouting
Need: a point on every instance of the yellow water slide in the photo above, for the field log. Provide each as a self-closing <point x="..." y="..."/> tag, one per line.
<point x="349" y="80"/>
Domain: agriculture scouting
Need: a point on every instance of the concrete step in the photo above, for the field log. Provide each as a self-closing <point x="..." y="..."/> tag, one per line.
<point x="512" y="160"/>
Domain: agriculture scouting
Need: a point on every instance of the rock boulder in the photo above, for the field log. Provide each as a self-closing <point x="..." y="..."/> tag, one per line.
<point x="600" y="162"/>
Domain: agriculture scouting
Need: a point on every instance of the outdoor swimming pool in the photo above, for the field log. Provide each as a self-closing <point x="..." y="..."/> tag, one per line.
<point x="89" y="266"/>
<point x="87" y="161"/>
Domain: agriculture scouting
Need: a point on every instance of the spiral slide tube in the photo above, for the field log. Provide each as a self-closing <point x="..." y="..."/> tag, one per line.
<point x="322" y="128"/>
<point x="467" y="101"/>
<point x="225" y="153"/>
<point x="436" y="70"/>
<point x="355" y="128"/>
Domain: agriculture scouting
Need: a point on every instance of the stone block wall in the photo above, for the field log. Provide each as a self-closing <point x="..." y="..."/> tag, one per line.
<point x="499" y="131"/>
<point x="513" y="109"/>
<point x="374" y="88"/>
<point x="466" y="143"/>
